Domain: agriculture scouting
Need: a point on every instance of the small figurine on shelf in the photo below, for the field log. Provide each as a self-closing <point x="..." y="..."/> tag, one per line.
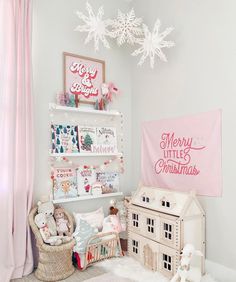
<point x="63" y="99"/>
<point x="107" y="90"/>
<point x="66" y="99"/>
<point x="72" y="100"/>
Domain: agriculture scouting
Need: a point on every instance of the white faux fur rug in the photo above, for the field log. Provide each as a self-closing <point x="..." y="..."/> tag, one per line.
<point x="129" y="268"/>
<point x="108" y="277"/>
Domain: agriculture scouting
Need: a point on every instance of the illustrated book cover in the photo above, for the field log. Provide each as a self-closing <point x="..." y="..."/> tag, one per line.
<point x="85" y="179"/>
<point x="110" y="181"/>
<point x="64" y="138"/>
<point x="64" y="183"/>
<point x="87" y="138"/>
<point x="106" y="140"/>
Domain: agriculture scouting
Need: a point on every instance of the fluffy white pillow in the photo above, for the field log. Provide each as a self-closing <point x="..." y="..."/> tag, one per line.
<point x="95" y="218"/>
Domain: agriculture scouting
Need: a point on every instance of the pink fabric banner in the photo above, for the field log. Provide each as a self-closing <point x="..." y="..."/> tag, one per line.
<point x="184" y="153"/>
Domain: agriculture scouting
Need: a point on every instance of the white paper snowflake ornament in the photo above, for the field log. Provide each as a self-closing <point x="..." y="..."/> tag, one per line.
<point x="152" y="44"/>
<point x="126" y="27"/>
<point x="95" y="26"/>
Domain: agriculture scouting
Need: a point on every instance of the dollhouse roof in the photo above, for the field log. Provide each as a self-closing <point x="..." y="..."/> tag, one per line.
<point x="172" y="202"/>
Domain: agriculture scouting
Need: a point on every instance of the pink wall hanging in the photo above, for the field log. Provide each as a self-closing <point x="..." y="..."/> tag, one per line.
<point x="183" y="153"/>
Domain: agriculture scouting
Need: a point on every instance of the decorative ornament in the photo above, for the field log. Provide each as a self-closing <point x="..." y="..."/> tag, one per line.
<point x="95" y="26"/>
<point x="66" y="99"/>
<point x="126" y="28"/>
<point x="96" y="167"/>
<point x="152" y="43"/>
<point x="108" y="90"/>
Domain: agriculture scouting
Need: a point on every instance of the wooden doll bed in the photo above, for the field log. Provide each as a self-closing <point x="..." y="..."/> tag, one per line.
<point x="102" y="246"/>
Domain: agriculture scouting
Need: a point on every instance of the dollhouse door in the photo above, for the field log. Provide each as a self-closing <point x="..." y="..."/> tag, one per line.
<point x="150" y="258"/>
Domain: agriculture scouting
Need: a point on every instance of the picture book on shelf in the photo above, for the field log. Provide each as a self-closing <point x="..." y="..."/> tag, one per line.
<point x="87" y="138"/>
<point x="106" y="140"/>
<point x="64" y="138"/>
<point x="64" y="183"/>
<point x="85" y="179"/>
<point x="110" y="181"/>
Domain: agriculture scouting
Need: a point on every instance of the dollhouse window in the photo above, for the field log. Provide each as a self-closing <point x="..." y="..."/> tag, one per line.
<point x="165" y="203"/>
<point x="168" y="231"/>
<point x="135" y="246"/>
<point x="166" y="262"/>
<point x="150" y="225"/>
<point x="145" y="199"/>
<point x="135" y="219"/>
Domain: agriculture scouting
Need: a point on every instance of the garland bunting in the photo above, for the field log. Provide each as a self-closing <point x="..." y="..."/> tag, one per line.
<point x="95" y="167"/>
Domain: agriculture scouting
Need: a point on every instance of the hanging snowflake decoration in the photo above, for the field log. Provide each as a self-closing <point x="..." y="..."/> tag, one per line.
<point x="126" y="28"/>
<point x="152" y="44"/>
<point x="95" y="26"/>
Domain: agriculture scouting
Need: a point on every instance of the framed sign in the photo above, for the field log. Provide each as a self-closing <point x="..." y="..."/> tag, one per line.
<point x="83" y="77"/>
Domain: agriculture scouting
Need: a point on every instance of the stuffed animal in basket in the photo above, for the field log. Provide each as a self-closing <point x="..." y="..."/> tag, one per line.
<point x="61" y="222"/>
<point x="47" y="208"/>
<point x="184" y="272"/>
<point x="41" y="222"/>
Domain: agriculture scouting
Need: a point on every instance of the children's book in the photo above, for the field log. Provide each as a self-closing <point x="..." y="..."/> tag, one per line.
<point x="106" y="140"/>
<point x="64" y="183"/>
<point x="110" y="180"/>
<point x="86" y="177"/>
<point x="64" y="138"/>
<point x="87" y="138"/>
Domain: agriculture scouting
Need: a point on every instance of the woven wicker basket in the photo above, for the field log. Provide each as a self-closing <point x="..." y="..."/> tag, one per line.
<point x="55" y="262"/>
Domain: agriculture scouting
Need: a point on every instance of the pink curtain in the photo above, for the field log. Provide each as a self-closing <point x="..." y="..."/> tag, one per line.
<point x="16" y="139"/>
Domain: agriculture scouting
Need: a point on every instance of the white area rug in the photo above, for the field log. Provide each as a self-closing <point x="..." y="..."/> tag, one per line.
<point x="129" y="268"/>
<point x="108" y="277"/>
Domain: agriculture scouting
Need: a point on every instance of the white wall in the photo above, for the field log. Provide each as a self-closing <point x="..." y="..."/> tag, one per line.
<point x="199" y="76"/>
<point x="53" y="25"/>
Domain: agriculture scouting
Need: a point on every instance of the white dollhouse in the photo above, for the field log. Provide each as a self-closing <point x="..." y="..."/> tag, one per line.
<point x="160" y="223"/>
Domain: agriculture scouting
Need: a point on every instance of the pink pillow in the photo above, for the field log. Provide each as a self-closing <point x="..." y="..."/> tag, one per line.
<point x="111" y="223"/>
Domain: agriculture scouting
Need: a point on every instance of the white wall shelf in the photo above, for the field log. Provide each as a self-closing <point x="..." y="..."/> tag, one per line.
<point x="88" y="197"/>
<point x="84" y="155"/>
<point x="58" y="110"/>
<point x="53" y="106"/>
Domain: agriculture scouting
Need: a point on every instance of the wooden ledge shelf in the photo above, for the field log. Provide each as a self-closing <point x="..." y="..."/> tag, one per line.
<point x="53" y="106"/>
<point x="88" y="197"/>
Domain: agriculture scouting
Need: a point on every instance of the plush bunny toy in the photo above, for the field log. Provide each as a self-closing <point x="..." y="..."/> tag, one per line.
<point x="184" y="270"/>
<point x="41" y="222"/>
<point x="47" y="208"/>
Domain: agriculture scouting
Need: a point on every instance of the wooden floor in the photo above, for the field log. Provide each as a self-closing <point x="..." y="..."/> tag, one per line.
<point x="78" y="276"/>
